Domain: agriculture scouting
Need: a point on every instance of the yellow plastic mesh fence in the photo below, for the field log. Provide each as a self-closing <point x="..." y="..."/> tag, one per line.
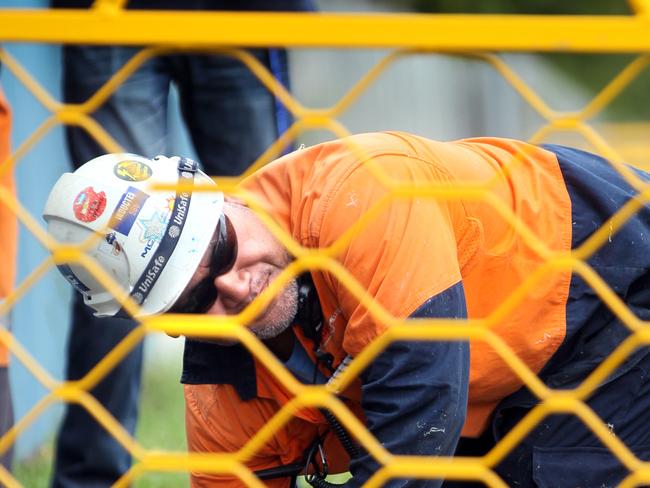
<point x="473" y="36"/>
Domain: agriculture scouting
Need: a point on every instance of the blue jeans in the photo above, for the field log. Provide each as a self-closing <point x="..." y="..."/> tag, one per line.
<point x="232" y="118"/>
<point x="6" y="415"/>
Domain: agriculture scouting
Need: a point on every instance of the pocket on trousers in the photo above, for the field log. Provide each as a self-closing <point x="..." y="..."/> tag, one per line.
<point x="579" y="467"/>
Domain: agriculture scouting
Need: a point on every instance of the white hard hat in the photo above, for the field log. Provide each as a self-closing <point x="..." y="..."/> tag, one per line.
<point x="152" y="241"/>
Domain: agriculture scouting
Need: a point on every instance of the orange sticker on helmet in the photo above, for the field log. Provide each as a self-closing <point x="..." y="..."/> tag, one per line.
<point x="132" y="170"/>
<point x="89" y="205"/>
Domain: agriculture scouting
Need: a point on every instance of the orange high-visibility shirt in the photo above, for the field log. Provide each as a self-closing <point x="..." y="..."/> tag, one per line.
<point x="411" y="247"/>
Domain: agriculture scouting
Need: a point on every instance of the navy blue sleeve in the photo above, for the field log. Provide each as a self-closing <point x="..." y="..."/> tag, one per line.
<point x="414" y="394"/>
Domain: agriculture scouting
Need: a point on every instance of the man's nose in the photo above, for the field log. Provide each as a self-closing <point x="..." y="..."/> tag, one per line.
<point x="234" y="289"/>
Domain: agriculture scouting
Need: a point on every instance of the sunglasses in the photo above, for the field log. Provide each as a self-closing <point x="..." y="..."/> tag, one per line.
<point x="224" y="253"/>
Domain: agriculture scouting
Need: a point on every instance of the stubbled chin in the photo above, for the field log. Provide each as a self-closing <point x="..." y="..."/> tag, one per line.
<point x="279" y="315"/>
<point x="276" y="317"/>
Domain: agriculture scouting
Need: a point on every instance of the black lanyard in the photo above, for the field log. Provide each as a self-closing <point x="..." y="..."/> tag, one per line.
<point x="186" y="172"/>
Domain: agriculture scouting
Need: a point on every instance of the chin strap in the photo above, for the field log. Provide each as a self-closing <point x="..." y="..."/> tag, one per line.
<point x="186" y="171"/>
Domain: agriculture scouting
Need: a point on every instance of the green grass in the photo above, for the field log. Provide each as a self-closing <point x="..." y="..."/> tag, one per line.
<point x="161" y="426"/>
<point x="34" y="471"/>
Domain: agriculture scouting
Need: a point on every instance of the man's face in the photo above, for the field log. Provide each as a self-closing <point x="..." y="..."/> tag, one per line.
<point x="259" y="260"/>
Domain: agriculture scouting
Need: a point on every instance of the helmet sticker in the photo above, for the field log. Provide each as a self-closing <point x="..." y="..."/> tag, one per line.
<point x="174" y="231"/>
<point x="170" y="203"/>
<point x="152" y="229"/>
<point x="89" y="205"/>
<point x="127" y="210"/>
<point x="130" y="170"/>
<point x="109" y="245"/>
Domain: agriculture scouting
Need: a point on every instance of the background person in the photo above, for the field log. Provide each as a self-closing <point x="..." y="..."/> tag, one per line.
<point x="418" y="257"/>
<point x="231" y="118"/>
<point x="9" y="238"/>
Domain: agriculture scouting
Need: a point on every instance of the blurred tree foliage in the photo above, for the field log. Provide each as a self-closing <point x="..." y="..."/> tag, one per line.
<point x="593" y="71"/>
<point x="542" y="7"/>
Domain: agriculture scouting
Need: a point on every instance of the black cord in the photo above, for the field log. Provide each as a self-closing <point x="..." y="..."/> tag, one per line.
<point x="310" y="317"/>
<point x="309" y="459"/>
<point x="341" y="434"/>
<point x="317" y="478"/>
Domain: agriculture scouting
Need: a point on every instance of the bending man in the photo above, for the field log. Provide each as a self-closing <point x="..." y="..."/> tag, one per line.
<point x="417" y="257"/>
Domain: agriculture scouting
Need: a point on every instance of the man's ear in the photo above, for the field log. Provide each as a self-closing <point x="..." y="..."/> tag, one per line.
<point x="235" y="200"/>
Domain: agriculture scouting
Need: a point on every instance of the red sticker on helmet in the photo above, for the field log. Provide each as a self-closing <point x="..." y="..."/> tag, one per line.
<point x="89" y="205"/>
